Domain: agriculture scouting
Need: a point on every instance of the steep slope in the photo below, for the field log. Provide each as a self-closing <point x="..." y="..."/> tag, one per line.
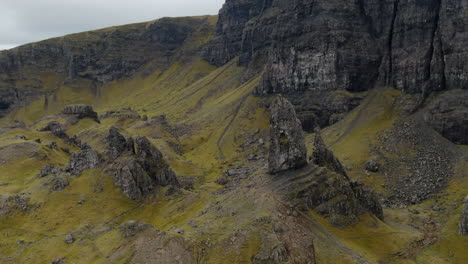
<point x="151" y="80"/>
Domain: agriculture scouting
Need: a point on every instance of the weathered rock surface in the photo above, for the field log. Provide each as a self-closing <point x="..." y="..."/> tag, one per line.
<point x="137" y="166"/>
<point x="415" y="46"/>
<point x="448" y="115"/>
<point x="287" y="145"/>
<point x="325" y="187"/>
<point x="80" y="111"/>
<point x="463" y="225"/>
<point x="324" y="157"/>
<point x="56" y="129"/>
<point x="118" y="143"/>
<point x="82" y="160"/>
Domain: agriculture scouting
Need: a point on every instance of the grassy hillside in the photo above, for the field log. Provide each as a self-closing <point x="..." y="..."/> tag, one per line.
<point x="214" y="123"/>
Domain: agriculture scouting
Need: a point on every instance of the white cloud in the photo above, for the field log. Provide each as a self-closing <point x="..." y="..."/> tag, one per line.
<point x="24" y="21"/>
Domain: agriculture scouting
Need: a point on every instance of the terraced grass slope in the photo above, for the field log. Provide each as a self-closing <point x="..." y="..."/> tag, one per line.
<point x="207" y="124"/>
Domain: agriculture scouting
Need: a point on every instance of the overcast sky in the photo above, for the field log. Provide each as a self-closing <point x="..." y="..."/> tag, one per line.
<point x="24" y="21"/>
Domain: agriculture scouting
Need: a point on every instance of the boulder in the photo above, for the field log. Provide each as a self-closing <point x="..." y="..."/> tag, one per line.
<point x="82" y="160"/>
<point x="287" y="144"/>
<point x="372" y="165"/>
<point x="69" y="239"/>
<point x="463" y="225"/>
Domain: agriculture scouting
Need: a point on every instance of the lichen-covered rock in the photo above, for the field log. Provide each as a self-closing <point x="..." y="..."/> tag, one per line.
<point x="131" y="178"/>
<point x="137" y="166"/>
<point x="368" y="199"/>
<point x="448" y="115"/>
<point x="56" y="129"/>
<point x="47" y="170"/>
<point x="152" y="160"/>
<point x="287" y="145"/>
<point x="372" y="165"/>
<point x="82" y="160"/>
<point x="324" y="157"/>
<point x="80" y="111"/>
<point x="118" y="143"/>
<point x="463" y="225"/>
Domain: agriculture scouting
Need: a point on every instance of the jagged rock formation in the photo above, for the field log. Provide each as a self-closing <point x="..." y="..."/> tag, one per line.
<point x="287" y="145"/>
<point x="82" y="160"/>
<point x="448" y="115"/>
<point x="325" y="187"/>
<point x="56" y="129"/>
<point x="80" y="111"/>
<point x="138" y="167"/>
<point x="324" y="157"/>
<point x="463" y="225"/>
<point x="414" y="46"/>
<point x="118" y="144"/>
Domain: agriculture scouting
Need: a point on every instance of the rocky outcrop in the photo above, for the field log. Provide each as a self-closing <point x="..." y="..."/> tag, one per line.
<point x="56" y="129"/>
<point x="415" y="46"/>
<point x="287" y="145"/>
<point x="82" y="160"/>
<point x="118" y="144"/>
<point x="325" y="187"/>
<point x="463" y="225"/>
<point x="137" y="166"/>
<point x="80" y="111"/>
<point x="324" y="157"/>
<point x="448" y="115"/>
<point x="367" y="199"/>
<point x="121" y="113"/>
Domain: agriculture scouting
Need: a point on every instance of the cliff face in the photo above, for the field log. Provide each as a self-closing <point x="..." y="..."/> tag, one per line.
<point x="415" y="46"/>
<point x="99" y="56"/>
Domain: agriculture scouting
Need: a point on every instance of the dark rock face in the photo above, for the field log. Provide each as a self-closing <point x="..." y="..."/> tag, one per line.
<point x="82" y="160"/>
<point x="151" y="159"/>
<point x="80" y="111"/>
<point x="448" y="115"/>
<point x="137" y="166"/>
<point x="367" y="199"/>
<point x="415" y="46"/>
<point x="463" y="225"/>
<point x="118" y="144"/>
<point x="324" y="157"/>
<point x="287" y="145"/>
